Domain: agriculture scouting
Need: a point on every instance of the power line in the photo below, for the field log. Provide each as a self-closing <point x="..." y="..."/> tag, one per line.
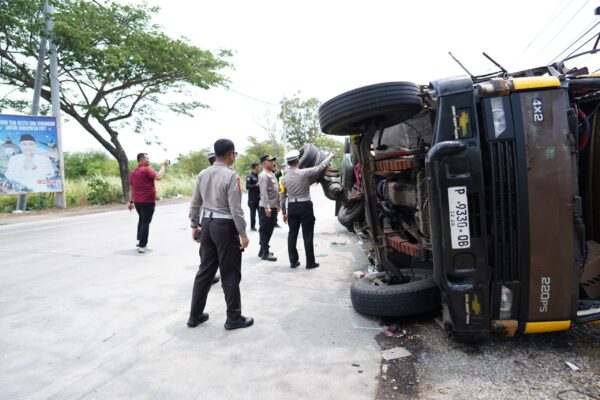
<point x="587" y="30"/>
<point x="561" y="29"/>
<point x="253" y="98"/>
<point x="586" y="42"/>
<point x="548" y="23"/>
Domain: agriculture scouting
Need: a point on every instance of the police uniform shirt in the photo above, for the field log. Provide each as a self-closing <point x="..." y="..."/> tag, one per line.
<point x="296" y="182"/>
<point x="218" y="189"/>
<point x="269" y="193"/>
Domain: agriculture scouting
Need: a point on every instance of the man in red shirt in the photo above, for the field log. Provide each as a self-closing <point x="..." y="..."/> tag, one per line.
<point x="143" y="196"/>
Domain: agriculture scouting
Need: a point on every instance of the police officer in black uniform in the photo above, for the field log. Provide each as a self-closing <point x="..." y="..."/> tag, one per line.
<point x="299" y="212"/>
<point x="253" y="194"/>
<point x="222" y="236"/>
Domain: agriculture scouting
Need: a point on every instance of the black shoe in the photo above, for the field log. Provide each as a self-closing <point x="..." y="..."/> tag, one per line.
<point x="194" y="322"/>
<point x="294" y="265"/>
<point x="243" y="322"/>
<point x="313" y="265"/>
<point x="260" y="254"/>
<point x="253" y="229"/>
<point x="277" y="225"/>
<point x="269" y="257"/>
<point x="216" y="279"/>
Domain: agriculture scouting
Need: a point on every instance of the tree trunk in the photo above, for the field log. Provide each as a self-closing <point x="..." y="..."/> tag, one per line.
<point x="124" y="173"/>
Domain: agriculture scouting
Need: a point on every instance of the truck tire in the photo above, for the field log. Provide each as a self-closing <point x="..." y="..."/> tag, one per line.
<point x="350" y="213"/>
<point x="308" y="155"/>
<point x="386" y="104"/>
<point x="402" y="300"/>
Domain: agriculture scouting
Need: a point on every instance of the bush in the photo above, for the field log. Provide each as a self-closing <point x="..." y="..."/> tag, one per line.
<point x="191" y="163"/>
<point x="80" y="164"/>
<point x="102" y="192"/>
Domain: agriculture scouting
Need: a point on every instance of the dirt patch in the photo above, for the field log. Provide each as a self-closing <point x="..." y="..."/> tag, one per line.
<point x="526" y="367"/>
<point x="50" y="213"/>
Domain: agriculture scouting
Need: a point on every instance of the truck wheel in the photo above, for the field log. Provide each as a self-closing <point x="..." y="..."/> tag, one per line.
<point x="420" y="295"/>
<point x="350" y="213"/>
<point x="308" y="155"/>
<point x="386" y="104"/>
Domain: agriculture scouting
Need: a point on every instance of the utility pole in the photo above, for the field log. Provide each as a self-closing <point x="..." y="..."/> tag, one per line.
<point x="60" y="200"/>
<point x="55" y="97"/>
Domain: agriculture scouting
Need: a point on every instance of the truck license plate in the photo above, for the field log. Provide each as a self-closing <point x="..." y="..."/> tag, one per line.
<point x="459" y="217"/>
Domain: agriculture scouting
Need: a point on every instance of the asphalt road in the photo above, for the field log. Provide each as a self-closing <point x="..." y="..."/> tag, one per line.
<point x="84" y="316"/>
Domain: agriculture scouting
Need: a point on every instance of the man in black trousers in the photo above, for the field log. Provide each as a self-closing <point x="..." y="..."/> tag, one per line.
<point x="222" y="236"/>
<point x="268" y="205"/>
<point x="253" y="194"/>
<point x="296" y="188"/>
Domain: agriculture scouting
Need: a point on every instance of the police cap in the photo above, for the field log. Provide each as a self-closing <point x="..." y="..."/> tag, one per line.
<point x="267" y="157"/>
<point x="293" y="155"/>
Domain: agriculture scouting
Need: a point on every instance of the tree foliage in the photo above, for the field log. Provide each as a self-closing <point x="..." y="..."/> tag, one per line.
<point x="253" y="152"/>
<point x="300" y="120"/>
<point x="191" y="163"/>
<point x="115" y="66"/>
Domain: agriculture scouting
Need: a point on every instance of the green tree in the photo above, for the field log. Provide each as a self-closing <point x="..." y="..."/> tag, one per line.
<point x="253" y="153"/>
<point x="300" y="120"/>
<point x="80" y="164"/>
<point x="192" y="163"/>
<point x="115" y="65"/>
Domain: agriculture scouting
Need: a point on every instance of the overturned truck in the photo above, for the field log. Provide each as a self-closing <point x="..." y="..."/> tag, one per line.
<point x="477" y="196"/>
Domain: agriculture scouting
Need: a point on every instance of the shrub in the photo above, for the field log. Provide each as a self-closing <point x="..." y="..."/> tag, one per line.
<point x="79" y="164"/>
<point x="101" y="191"/>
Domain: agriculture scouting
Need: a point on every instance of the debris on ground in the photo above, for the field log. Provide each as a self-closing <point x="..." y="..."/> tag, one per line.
<point x="334" y="243"/>
<point x="395" y="353"/>
<point x="572" y="366"/>
<point x="321" y="255"/>
<point x="359" y="274"/>
<point x="393" y="331"/>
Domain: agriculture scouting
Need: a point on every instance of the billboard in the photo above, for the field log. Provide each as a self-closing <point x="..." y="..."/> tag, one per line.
<point x="29" y="161"/>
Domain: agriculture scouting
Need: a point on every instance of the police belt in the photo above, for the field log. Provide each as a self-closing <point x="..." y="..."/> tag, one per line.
<point x="214" y="214"/>
<point x="298" y="199"/>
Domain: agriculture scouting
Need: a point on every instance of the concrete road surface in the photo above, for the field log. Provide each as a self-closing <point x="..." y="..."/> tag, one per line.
<point x="84" y="316"/>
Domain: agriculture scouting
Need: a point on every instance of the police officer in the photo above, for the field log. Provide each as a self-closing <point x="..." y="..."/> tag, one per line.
<point x="211" y="159"/>
<point x="268" y="205"/>
<point x="296" y="188"/>
<point x="222" y="238"/>
<point x="253" y="194"/>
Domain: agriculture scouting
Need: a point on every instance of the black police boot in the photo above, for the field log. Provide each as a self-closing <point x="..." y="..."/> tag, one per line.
<point x="194" y="322"/>
<point x="313" y="265"/>
<point x="243" y="322"/>
<point x="294" y="265"/>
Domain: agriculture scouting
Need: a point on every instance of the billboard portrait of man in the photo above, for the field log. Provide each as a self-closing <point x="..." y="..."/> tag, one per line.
<point x="29" y="168"/>
<point x="28" y="163"/>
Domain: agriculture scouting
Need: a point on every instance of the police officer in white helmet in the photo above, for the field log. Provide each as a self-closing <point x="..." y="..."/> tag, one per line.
<point x="299" y="211"/>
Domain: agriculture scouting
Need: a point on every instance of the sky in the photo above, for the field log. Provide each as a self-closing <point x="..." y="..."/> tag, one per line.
<point x="324" y="48"/>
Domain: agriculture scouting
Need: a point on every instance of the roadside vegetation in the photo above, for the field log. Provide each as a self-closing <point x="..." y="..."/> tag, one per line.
<point x="95" y="177"/>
